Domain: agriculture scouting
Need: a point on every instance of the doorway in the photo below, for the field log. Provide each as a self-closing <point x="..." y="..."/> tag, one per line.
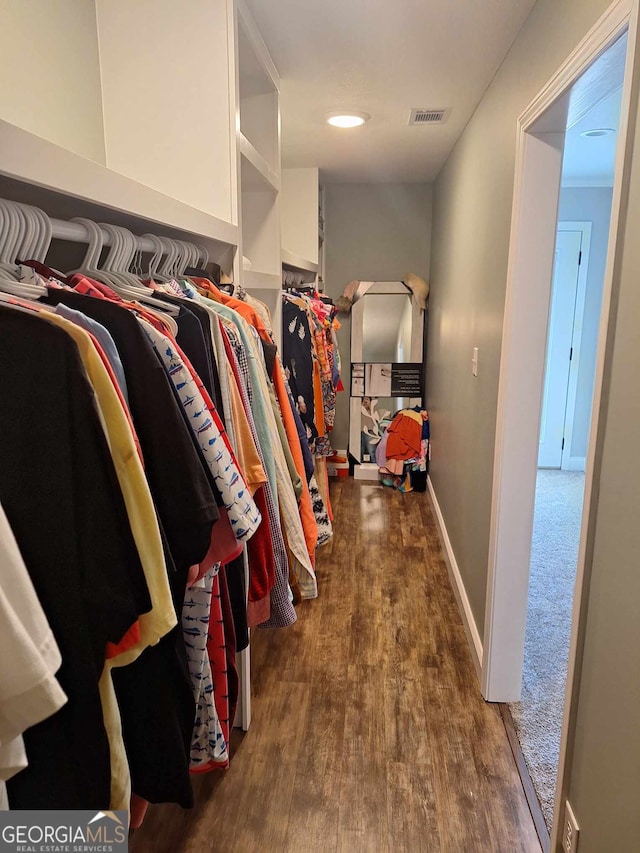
<point x="569" y="376"/>
<point x="598" y="67"/>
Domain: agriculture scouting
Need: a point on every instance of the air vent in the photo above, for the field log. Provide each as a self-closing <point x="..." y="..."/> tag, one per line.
<point x="428" y="116"/>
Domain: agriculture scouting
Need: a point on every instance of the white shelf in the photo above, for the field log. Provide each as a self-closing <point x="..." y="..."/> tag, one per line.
<point x="48" y="172"/>
<point x="256" y="172"/>
<point x="257" y="73"/>
<point x="253" y="280"/>
<point x="298" y="263"/>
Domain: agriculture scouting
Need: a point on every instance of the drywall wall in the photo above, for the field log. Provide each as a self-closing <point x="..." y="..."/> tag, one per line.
<point x="470" y="242"/>
<point x="374" y="232"/>
<point x="588" y="204"/>
<point x="50" y="70"/>
<point x="472" y="207"/>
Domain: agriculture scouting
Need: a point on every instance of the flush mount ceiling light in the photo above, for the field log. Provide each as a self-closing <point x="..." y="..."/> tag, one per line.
<point x="598" y="131"/>
<point x="340" y="118"/>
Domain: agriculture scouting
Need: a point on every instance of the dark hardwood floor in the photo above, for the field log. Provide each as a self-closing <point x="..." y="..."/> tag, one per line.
<point x="369" y="731"/>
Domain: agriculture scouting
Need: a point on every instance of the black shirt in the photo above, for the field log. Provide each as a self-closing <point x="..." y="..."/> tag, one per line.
<point x="154" y="693"/>
<point x="63" y="501"/>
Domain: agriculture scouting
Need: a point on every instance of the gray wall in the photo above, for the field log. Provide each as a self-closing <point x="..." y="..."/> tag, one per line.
<point x="472" y="213"/>
<point x="588" y="204"/>
<point x="374" y="232"/>
<point x="470" y="242"/>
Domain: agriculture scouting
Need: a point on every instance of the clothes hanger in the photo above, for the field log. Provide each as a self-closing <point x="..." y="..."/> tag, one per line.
<point x="133" y="287"/>
<point x="155" y="259"/>
<point x="165" y="273"/>
<point x="103" y="273"/>
<point x="184" y="253"/>
<point x="122" y="263"/>
<point x="14" y="225"/>
<point x="119" y="256"/>
<point x="46" y="235"/>
<point x="89" y="265"/>
<point x="22" y="231"/>
<point x="30" y="233"/>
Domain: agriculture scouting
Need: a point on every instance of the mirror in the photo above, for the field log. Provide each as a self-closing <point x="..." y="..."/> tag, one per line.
<point x="386" y="327"/>
<point x="386" y="359"/>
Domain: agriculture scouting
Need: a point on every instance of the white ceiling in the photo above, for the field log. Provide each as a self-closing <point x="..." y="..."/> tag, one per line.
<point x="383" y="57"/>
<point x="590" y="161"/>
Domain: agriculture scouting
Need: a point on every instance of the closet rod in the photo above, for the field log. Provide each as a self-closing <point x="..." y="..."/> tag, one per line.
<point x="76" y="232"/>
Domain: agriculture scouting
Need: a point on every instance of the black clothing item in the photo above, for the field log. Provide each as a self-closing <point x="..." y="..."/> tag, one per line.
<point x="155" y="694"/>
<point x="188" y="344"/>
<point x="213" y="274"/>
<point x="191" y="340"/>
<point x="238" y="598"/>
<point x="233" y="681"/>
<point x="309" y="466"/>
<point x="418" y="480"/>
<point x="173" y="468"/>
<point x="61" y="495"/>
<point x="298" y="363"/>
<point x="270" y="351"/>
<point x="156" y="703"/>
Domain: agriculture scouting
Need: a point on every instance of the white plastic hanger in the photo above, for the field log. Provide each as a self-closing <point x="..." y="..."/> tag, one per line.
<point x="13" y="228"/>
<point x="165" y="272"/>
<point x="89" y="265"/>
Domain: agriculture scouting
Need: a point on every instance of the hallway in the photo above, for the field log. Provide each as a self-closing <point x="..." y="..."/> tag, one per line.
<point x="369" y="732"/>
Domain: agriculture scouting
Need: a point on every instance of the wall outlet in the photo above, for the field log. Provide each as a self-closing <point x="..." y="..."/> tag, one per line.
<point x="571" y="830"/>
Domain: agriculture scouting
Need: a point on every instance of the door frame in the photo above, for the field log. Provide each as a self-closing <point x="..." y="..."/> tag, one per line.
<point x="534" y="223"/>
<point x="570" y="463"/>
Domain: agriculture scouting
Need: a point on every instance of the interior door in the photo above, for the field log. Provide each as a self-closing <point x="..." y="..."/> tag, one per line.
<point x="559" y="338"/>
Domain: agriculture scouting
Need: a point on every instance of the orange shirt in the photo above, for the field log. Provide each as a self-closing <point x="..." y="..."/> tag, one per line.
<point x="307" y="517"/>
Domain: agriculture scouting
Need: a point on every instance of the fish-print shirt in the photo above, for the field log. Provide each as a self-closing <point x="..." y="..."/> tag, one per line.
<point x="210" y="435"/>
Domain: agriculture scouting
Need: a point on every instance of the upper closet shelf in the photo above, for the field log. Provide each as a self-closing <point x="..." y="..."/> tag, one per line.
<point x="256" y="172"/>
<point x="39" y="172"/>
<point x="261" y="280"/>
<point x="258" y="74"/>
<point x="295" y="262"/>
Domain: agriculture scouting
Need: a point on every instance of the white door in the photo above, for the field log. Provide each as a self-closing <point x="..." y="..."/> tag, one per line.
<point x="559" y="352"/>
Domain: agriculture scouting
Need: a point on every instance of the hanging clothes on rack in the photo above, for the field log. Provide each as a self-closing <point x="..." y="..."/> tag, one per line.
<point x="312" y="369"/>
<point x="176" y="498"/>
<point x="312" y="362"/>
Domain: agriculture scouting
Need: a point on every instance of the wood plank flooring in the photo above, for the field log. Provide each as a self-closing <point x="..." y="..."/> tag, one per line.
<point x="369" y="732"/>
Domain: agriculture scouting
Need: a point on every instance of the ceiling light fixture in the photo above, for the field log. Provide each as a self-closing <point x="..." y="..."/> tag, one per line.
<point x="350" y="119"/>
<point x="598" y="131"/>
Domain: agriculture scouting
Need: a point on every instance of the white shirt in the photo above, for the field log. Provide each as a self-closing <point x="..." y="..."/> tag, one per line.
<point x="29" y="659"/>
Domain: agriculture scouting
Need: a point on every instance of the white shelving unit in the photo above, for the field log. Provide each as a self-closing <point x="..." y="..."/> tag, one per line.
<point x="295" y="262"/>
<point x="123" y="129"/>
<point x="37" y="171"/>
<point x="121" y="124"/>
<point x="300" y="197"/>
<point x="258" y="145"/>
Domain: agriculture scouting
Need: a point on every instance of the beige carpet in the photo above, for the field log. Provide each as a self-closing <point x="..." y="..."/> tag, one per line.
<point x="538" y="716"/>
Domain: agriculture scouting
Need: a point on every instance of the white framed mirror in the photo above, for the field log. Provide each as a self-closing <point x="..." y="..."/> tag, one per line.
<point x="387" y="329"/>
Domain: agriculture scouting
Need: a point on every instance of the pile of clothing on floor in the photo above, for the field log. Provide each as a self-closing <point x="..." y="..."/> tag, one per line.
<point x="404" y="451"/>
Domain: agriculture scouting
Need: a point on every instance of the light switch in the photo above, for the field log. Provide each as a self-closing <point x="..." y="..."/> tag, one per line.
<point x="474" y="362"/>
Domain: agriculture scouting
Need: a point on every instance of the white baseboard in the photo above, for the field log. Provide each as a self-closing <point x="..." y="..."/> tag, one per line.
<point x="470" y="627"/>
<point x="574" y="463"/>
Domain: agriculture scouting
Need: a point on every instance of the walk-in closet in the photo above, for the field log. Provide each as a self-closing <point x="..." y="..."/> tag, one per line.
<point x="278" y="294"/>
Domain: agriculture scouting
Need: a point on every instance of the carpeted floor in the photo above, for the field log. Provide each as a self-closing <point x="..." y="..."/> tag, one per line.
<point x="554" y="554"/>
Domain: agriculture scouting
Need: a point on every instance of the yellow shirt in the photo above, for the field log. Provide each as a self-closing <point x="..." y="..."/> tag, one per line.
<point x="144" y="526"/>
